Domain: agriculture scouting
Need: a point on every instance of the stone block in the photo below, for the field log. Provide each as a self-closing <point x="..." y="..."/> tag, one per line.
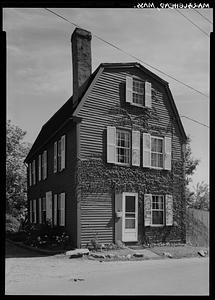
<point x="201" y="253"/>
<point x="167" y="254"/>
<point x="138" y="255"/>
<point x="78" y="252"/>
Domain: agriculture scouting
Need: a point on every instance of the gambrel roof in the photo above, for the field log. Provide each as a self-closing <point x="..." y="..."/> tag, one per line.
<point x="68" y="112"/>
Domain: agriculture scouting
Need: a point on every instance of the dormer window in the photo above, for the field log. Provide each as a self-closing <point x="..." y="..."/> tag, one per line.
<point x="138" y="92"/>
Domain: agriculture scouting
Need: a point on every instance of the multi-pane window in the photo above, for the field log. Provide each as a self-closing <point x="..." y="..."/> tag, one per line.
<point x="44" y="210"/>
<point x="44" y="164"/>
<point x="157" y="152"/>
<point x="30" y="174"/>
<point x="123" y="147"/>
<point x="34" y="171"/>
<point x="157" y="210"/>
<point x="59" y="154"/>
<point x="61" y="209"/>
<point x="138" y="92"/>
<point x="39" y="167"/>
<point x="34" y="211"/>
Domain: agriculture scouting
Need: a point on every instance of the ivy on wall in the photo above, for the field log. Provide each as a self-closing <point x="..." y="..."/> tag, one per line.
<point x="96" y="176"/>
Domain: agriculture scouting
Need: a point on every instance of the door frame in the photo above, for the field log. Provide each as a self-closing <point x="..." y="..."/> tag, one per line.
<point x="124" y="194"/>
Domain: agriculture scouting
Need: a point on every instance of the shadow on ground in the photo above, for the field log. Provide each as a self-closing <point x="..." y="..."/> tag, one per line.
<point x="13" y="251"/>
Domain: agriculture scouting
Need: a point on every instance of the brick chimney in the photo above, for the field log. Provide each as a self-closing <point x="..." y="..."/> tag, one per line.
<point x="81" y="60"/>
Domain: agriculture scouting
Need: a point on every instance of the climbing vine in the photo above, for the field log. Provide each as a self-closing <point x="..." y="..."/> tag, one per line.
<point x="94" y="175"/>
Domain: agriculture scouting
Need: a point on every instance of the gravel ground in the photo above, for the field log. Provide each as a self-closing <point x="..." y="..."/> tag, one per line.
<point x="178" y="251"/>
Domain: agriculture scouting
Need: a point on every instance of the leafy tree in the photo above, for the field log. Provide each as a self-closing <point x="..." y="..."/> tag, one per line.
<point x="190" y="167"/>
<point x="190" y="162"/>
<point x="200" y="198"/>
<point x="16" y="182"/>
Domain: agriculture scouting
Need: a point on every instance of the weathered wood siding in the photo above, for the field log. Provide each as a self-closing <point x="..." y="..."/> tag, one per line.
<point x="97" y="218"/>
<point x="108" y="93"/>
<point x="60" y="182"/>
<point x="101" y="109"/>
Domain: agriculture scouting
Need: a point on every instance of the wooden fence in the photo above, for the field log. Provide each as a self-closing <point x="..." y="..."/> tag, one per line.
<point x="197" y="227"/>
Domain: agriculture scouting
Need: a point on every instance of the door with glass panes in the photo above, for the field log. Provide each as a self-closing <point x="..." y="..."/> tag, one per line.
<point x="130" y="217"/>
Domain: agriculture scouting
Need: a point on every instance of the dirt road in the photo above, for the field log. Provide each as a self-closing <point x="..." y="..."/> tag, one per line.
<point x="59" y="275"/>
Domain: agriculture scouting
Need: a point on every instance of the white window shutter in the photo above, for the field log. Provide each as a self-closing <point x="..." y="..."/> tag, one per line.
<point x="135" y="148"/>
<point x="29" y="174"/>
<point x="148" y="94"/>
<point x="147" y="209"/>
<point x="167" y="153"/>
<point x="40" y="210"/>
<point x="34" y="172"/>
<point x="49" y="206"/>
<point x="39" y="167"/>
<point x="146" y="150"/>
<point x="129" y="89"/>
<point x="169" y="210"/>
<point x="111" y="144"/>
<point x="55" y="209"/>
<point x="45" y="164"/>
<point x="30" y="211"/>
<point x="62" y="209"/>
<point x="63" y="151"/>
<point x="55" y="157"/>
<point x="59" y="155"/>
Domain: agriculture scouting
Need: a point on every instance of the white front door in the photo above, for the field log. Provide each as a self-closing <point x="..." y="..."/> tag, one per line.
<point x="130" y="217"/>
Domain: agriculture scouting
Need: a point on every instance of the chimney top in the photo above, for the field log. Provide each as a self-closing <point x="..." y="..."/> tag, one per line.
<point x="81" y="60"/>
<point x="81" y="33"/>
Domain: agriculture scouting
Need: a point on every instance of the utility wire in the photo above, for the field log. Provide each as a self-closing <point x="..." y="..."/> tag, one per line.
<point x="193" y="23"/>
<point x="136" y="58"/>
<point x="194" y="121"/>
<point x="203" y="16"/>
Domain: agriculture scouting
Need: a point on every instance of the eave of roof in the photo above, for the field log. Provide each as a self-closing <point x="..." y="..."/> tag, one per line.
<point x="132" y="65"/>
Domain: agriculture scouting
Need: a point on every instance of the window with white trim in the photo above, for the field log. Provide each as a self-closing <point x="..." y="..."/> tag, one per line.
<point x="44" y="210"/>
<point x="34" y="171"/>
<point x="157" y="210"/>
<point x="59" y="159"/>
<point x="44" y="164"/>
<point x="29" y="174"/>
<point x="123" y="147"/>
<point x="156" y="152"/>
<point x="61" y="209"/>
<point x="138" y="92"/>
<point x="39" y="167"/>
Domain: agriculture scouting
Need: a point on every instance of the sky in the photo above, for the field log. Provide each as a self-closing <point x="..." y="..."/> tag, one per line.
<point x="39" y="61"/>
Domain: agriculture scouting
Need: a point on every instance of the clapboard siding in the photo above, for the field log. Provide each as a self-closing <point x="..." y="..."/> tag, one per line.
<point x="97" y="218"/>
<point x="109" y="92"/>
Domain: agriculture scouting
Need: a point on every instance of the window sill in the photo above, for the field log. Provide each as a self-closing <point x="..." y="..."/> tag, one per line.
<point x="156" y="168"/>
<point x="138" y="105"/>
<point x="122" y="164"/>
<point x="157" y="225"/>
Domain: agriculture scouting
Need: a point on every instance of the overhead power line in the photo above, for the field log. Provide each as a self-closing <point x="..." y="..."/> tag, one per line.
<point x="136" y="58"/>
<point x="195" y="121"/>
<point x="202" y="16"/>
<point x="192" y="23"/>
